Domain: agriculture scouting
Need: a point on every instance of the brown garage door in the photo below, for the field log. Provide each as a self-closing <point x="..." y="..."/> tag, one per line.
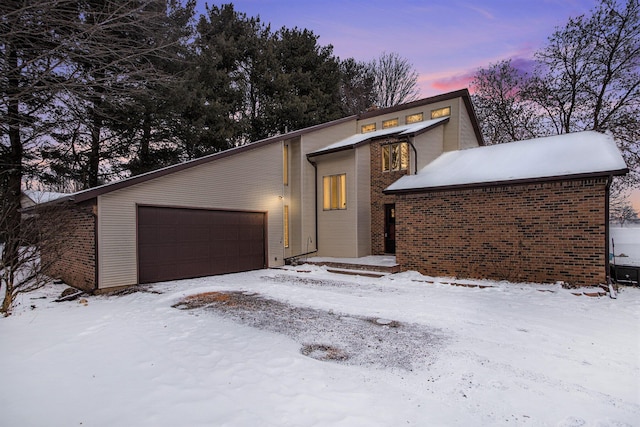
<point x="177" y="243"/>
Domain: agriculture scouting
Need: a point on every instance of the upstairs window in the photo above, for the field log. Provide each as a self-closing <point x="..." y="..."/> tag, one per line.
<point x="285" y="165"/>
<point x="441" y="112"/>
<point x="395" y="157"/>
<point x="368" y="128"/>
<point x="334" y="192"/>
<point x="389" y="123"/>
<point x="414" y="118"/>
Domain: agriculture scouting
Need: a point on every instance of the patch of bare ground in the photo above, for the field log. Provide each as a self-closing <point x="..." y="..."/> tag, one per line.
<point x="325" y="335"/>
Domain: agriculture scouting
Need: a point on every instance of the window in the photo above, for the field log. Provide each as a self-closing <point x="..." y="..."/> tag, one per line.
<point x="389" y="123"/>
<point x="368" y="128"/>
<point x="334" y="192"/>
<point x="414" y="118"/>
<point x="285" y="165"/>
<point x="395" y="157"/>
<point x="441" y="112"/>
<point x="286" y="226"/>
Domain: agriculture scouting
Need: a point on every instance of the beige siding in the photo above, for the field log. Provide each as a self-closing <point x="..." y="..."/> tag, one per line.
<point x="251" y="181"/>
<point x="337" y="228"/>
<point x="429" y="146"/>
<point x="467" y="134"/>
<point x="293" y="198"/>
<point x="311" y="142"/>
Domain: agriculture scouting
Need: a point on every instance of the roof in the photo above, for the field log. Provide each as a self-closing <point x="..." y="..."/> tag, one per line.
<point x="42" y="196"/>
<point x="564" y="156"/>
<point x="91" y="193"/>
<point x="360" y="138"/>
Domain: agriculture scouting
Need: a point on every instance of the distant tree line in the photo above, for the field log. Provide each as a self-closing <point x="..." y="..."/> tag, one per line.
<point x="587" y="77"/>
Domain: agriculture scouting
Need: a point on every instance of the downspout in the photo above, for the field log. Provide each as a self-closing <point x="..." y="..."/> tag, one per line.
<point x="315" y="202"/>
<point x="606" y="229"/>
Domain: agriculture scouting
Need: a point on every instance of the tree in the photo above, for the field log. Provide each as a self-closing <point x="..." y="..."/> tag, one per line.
<point x="61" y="61"/>
<point x="623" y="212"/>
<point x="504" y="112"/>
<point x="357" y="86"/>
<point x="587" y="77"/>
<point x="308" y="85"/>
<point x="118" y="58"/>
<point x="396" y="81"/>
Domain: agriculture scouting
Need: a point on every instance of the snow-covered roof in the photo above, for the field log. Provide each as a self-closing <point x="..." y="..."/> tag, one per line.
<point x="42" y="196"/>
<point x="358" y="138"/>
<point x="555" y="156"/>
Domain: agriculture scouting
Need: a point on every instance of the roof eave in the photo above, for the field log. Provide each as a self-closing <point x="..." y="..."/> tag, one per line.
<point x="505" y="183"/>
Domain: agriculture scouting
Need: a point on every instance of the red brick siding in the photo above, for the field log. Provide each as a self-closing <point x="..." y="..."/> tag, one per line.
<point x="379" y="181"/>
<point x="544" y="232"/>
<point x="76" y="264"/>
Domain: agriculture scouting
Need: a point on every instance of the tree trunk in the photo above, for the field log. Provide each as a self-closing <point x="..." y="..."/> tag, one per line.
<point x="12" y="182"/>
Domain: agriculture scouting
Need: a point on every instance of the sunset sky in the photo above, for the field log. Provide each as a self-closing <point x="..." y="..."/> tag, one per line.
<point x="446" y="40"/>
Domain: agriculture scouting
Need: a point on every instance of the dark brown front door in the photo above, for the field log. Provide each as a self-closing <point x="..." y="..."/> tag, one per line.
<point x="180" y="243"/>
<point x="390" y="229"/>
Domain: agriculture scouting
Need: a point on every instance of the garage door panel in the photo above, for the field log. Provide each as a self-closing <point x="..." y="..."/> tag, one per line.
<point x="179" y="243"/>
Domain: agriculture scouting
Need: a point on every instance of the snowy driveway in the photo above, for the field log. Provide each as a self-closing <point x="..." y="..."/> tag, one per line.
<point x="505" y="355"/>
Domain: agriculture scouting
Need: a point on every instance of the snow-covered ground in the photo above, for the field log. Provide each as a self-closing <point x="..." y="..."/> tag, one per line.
<point x="627" y="244"/>
<point x="505" y="355"/>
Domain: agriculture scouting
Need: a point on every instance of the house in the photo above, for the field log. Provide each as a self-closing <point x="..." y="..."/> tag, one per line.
<point x="337" y="189"/>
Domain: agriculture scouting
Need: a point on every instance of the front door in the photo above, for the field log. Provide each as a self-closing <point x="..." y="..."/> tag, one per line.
<point x="390" y="229"/>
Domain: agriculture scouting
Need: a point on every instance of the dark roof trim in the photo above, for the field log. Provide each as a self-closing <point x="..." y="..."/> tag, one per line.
<point x="372" y="138"/>
<point x="573" y="177"/>
<point x="462" y="93"/>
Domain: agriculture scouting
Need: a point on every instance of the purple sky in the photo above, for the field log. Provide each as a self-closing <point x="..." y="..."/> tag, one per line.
<point x="446" y="40"/>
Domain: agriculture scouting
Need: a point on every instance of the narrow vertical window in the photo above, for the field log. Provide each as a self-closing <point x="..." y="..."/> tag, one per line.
<point x="386" y="156"/>
<point x="404" y="156"/>
<point x="286" y="226"/>
<point x="334" y="192"/>
<point x="285" y="165"/>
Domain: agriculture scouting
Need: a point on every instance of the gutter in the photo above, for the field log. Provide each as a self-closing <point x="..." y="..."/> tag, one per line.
<point x="315" y="204"/>
<point x="506" y="183"/>
<point x="415" y="157"/>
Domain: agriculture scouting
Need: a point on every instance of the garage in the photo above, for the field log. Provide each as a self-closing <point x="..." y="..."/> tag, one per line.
<point x="182" y="243"/>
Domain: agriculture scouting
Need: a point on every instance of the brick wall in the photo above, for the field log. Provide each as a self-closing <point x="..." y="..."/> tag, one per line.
<point x="75" y="261"/>
<point x="379" y="181"/>
<point x="543" y="232"/>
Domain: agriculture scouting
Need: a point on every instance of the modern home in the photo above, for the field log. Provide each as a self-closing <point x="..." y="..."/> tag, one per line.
<point x="345" y="189"/>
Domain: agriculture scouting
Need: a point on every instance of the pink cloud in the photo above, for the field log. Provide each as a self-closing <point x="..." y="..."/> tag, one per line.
<point x="453" y="82"/>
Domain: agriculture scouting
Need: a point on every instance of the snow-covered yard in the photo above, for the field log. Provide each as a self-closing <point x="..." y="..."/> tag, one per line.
<point x="508" y="354"/>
